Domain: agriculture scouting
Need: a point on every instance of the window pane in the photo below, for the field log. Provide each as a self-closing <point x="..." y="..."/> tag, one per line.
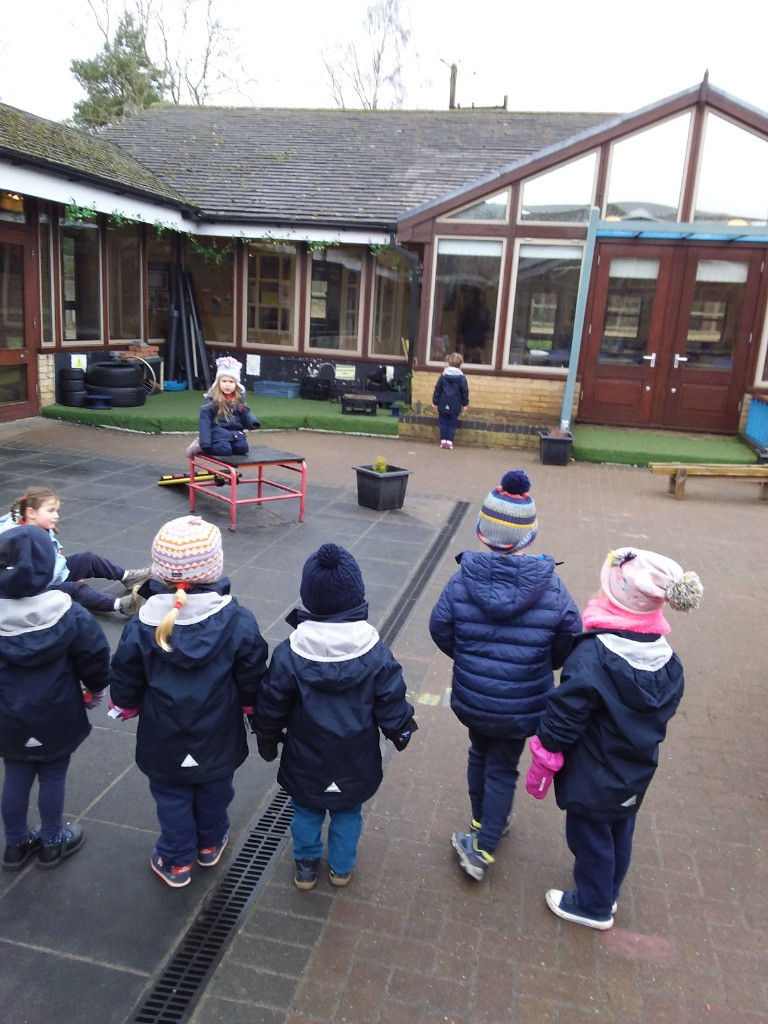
<point x="628" y="307"/>
<point x="392" y="305"/>
<point x="46" y="307"/>
<point x="160" y="265"/>
<point x="11" y="296"/>
<point x="13" y="384"/>
<point x="732" y="176"/>
<point x="563" y="195"/>
<point x="335" y="295"/>
<point x="123" y="289"/>
<point x="715" y="314"/>
<point x="213" y="283"/>
<point x="271" y="295"/>
<point x="12" y="207"/>
<point x="545" y="305"/>
<point x="81" y="280"/>
<point x="492" y="208"/>
<point x="646" y="176"/>
<point x="465" y="301"/>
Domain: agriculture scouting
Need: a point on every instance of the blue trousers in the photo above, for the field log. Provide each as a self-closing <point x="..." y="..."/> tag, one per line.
<point x="344" y="831"/>
<point x="19" y="777"/>
<point x="602" y="851"/>
<point x="448" y="423"/>
<point x="191" y="817"/>
<point x="87" y="565"/>
<point x="491" y="779"/>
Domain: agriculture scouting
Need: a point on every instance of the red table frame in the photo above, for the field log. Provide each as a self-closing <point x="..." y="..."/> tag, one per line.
<point x="231" y="469"/>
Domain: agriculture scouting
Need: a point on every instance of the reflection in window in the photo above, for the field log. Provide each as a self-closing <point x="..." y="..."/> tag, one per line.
<point x="123" y="282"/>
<point x="11" y="295"/>
<point x="563" y="195"/>
<point x="46" y="306"/>
<point x="392" y="305"/>
<point x="491" y="208"/>
<point x="715" y="313"/>
<point x="270" y="295"/>
<point x="545" y="305"/>
<point x="646" y="177"/>
<point x="214" y="289"/>
<point x="335" y="295"/>
<point x="628" y="308"/>
<point x="80" y="280"/>
<point x="12" y="207"/>
<point x="160" y="265"/>
<point x="732" y="176"/>
<point x="466" y="297"/>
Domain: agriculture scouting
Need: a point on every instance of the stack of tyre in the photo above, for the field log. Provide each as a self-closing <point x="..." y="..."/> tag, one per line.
<point x="118" y="381"/>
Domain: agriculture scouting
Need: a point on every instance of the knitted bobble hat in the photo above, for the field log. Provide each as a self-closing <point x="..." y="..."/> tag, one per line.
<point x="27" y="560"/>
<point x="507" y="519"/>
<point x="187" y="550"/>
<point x="642" y="581"/>
<point x="226" y="366"/>
<point x="331" y="582"/>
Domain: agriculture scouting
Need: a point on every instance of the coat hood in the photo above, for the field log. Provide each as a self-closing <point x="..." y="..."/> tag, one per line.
<point x="638" y="668"/>
<point x="193" y="641"/>
<point x="31" y="628"/>
<point x="503" y="585"/>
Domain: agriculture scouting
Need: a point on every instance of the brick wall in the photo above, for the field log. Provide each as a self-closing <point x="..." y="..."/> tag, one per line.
<point x="46" y="379"/>
<point x="519" y="397"/>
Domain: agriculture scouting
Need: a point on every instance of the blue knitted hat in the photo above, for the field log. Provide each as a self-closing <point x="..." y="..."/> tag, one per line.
<point x="331" y="582"/>
<point x="27" y="560"/>
<point x="507" y="519"/>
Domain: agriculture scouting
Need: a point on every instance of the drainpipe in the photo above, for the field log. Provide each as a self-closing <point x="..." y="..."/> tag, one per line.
<point x="413" y="313"/>
<point x="579" y="316"/>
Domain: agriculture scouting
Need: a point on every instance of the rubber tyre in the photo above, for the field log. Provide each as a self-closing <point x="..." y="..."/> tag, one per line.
<point x="122" y="398"/>
<point x="72" y="374"/>
<point x="114" y="375"/>
<point x="74" y="399"/>
<point x="68" y="386"/>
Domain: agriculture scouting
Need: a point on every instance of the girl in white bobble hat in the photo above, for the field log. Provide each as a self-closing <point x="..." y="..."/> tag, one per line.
<point x="602" y="727"/>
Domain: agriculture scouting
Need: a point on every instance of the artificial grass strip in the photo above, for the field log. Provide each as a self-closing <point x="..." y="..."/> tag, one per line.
<point x="637" y="448"/>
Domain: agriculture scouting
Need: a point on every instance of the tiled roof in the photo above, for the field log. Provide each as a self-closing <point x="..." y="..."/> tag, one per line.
<point x="332" y="167"/>
<point x="47" y="145"/>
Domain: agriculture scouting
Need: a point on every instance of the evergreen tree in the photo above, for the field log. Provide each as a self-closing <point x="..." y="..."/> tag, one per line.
<point x="120" y="81"/>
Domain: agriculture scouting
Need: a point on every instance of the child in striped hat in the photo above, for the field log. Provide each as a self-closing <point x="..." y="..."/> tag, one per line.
<point x="189" y="665"/>
<point x="507" y="621"/>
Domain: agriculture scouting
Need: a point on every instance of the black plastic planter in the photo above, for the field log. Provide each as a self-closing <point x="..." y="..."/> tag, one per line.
<point x="381" y="491"/>
<point x="555" y="451"/>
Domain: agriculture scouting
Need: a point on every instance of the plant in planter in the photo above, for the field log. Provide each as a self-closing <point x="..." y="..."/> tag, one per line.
<point x="555" y="446"/>
<point x="381" y="486"/>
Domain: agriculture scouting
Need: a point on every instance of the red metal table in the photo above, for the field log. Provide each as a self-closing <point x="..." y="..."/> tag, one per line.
<point x="230" y="475"/>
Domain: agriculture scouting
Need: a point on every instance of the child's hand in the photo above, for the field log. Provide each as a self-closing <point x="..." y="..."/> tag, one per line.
<point x="267" y="746"/>
<point x="403" y="738"/>
<point x="122" y="713"/>
<point x="93" y="700"/>
<point x="544" y="764"/>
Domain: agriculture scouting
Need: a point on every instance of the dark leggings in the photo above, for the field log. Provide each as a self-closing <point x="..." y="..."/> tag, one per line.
<point x="19" y="778"/>
<point x="86" y="565"/>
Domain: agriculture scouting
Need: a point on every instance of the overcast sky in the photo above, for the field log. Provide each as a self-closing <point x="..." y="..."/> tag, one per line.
<point x="556" y="55"/>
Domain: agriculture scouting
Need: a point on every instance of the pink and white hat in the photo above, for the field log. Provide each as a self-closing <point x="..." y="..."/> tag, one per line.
<point x="642" y="581"/>
<point x="187" y="550"/>
<point x="226" y="366"/>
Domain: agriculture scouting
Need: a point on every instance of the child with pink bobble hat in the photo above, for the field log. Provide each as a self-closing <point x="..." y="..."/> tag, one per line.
<point x="601" y="730"/>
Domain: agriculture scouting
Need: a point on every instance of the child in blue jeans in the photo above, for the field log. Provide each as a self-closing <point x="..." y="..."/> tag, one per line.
<point x="332" y="686"/>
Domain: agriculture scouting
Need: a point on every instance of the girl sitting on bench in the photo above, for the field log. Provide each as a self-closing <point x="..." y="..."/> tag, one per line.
<point x="224" y="416"/>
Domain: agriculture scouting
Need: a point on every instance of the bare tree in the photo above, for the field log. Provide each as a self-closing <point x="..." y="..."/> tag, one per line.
<point x="371" y="69"/>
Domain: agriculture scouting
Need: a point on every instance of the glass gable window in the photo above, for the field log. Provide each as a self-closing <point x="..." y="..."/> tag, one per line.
<point x="160" y="260"/>
<point x="270" y="297"/>
<point x="732" y="175"/>
<point x="123" y="282"/>
<point x="214" y="280"/>
<point x="335" y="296"/>
<point x="80" y="280"/>
<point x="646" y="173"/>
<point x="563" y="195"/>
<point x="545" y="305"/>
<point x="392" y="305"/>
<point x="492" y="208"/>
<point x="465" y="299"/>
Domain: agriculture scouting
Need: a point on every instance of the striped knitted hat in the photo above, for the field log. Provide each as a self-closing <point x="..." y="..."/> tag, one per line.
<point x="507" y="519"/>
<point x="187" y="550"/>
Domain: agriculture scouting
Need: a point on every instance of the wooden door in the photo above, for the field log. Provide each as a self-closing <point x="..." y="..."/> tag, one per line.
<point x="19" y="327"/>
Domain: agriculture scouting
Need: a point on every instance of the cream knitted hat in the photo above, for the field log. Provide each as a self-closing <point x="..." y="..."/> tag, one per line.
<point x="187" y="550"/>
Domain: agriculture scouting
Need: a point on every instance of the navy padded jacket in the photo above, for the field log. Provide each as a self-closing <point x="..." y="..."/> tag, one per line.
<point x="507" y="621"/>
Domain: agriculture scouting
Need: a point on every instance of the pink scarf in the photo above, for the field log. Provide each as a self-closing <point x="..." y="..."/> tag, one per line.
<point x="601" y="614"/>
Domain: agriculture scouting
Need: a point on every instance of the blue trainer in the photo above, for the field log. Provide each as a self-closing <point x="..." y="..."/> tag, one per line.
<point x="305" y="876"/>
<point x="174" y="875"/>
<point x="212" y="854"/>
<point x="471" y="859"/>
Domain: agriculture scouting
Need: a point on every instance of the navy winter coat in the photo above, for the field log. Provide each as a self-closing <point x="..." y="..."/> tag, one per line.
<point x="507" y="621"/>
<point x="48" y="647"/>
<point x="219" y="436"/>
<point x="608" y="717"/>
<point x="451" y="392"/>
<point x="332" y="686"/>
<point x="191" y="721"/>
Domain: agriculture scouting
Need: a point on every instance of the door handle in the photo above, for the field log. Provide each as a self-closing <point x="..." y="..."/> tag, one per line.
<point x="679" y="359"/>
<point x="651" y="359"/>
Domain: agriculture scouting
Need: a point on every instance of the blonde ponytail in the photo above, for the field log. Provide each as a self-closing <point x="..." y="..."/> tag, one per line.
<point x="164" y="630"/>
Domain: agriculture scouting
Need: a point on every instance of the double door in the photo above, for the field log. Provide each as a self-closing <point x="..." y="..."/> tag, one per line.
<point x="669" y="336"/>
<point x="19" y="325"/>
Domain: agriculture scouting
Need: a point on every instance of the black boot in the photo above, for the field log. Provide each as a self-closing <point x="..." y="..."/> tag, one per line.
<point x="16" y="857"/>
<point x="50" y="855"/>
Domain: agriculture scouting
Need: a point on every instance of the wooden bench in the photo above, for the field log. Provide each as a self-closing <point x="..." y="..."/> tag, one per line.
<point x="678" y="474"/>
<point x="365" y="404"/>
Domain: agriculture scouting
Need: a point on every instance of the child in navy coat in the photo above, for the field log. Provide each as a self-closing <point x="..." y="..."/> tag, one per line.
<point x="224" y="416"/>
<point x="332" y="686"/>
<point x="450" y="398"/>
<point x="603" y="725"/>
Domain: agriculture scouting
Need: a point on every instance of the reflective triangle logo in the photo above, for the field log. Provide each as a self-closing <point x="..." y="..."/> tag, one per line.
<point x="631" y="802"/>
<point x="333" y="788"/>
<point x="189" y="762"/>
<point x="32" y="742"/>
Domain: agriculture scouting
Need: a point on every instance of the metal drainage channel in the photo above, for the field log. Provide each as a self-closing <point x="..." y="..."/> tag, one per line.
<point x="179" y="987"/>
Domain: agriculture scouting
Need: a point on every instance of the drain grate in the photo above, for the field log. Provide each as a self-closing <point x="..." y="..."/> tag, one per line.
<point x="183" y="980"/>
<point x="394" y="622"/>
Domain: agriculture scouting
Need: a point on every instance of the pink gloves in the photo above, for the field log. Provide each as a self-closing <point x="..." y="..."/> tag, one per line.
<point x="122" y="713"/>
<point x="93" y="700"/>
<point x="544" y="764"/>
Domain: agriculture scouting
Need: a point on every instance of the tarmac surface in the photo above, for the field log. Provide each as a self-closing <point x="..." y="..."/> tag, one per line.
<point x="412" y="939"/>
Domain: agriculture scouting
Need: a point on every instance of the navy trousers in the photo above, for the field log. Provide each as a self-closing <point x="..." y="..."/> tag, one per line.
<point x="602" y="851"/>
<point x="191" y="817"/>
<point x="19" y="777"/>
<point x="491" y="779"/>
<point x="448" y="424"/>
<point x="86" y="565"/>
